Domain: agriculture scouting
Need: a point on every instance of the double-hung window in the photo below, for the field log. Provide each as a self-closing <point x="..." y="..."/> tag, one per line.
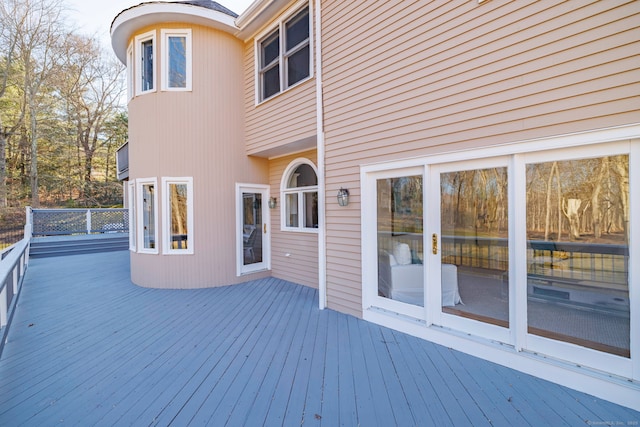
<point x="147" y="215"/>
<point x="145" y="54"/>
<point x="177" y="215"/>
<point x="176" y="62"/>
<point x="284" y="55"/>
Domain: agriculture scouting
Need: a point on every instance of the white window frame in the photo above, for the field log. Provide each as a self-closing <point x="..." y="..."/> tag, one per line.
<point x="280" y="28"/>
<point x="131" y="200"/>
<point x="130" y="72"/>
<point x="612" y="141"/>
<point x="166" y="216"/>
<point x="151" y="35"/>
<point x="300" y="191"/>
<point x="140" y="215"/>
<point x="164" y="36"/>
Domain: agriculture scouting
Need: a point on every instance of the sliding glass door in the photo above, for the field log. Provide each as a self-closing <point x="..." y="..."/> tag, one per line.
<point x="531" y="250"/>
<point x="578" y="222"/>
<point x="471" y="231"/>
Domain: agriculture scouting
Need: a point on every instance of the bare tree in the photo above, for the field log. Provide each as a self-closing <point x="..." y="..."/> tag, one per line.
<point x="38" y="28"/>
<point x="10" y="19"/>
<point x="92" y="88"/>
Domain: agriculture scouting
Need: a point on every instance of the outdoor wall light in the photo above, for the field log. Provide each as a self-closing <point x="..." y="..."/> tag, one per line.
<point x="273" y="202"/>
<point x="343" y="197"/>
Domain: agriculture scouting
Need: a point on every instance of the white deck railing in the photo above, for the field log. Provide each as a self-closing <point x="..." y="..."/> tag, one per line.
<point x="13" y="266"/>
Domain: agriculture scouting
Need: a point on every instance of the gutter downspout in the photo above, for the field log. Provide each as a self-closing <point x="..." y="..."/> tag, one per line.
<point x="322" y="234"/>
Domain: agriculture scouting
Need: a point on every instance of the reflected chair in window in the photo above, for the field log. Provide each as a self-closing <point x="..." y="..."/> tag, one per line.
<point x="248" y="245"/>
<point x="450" y="292"/>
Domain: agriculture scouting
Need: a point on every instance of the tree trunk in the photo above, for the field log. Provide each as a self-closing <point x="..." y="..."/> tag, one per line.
<point x="571" y="210"/>
<point x="559" y="193"/>
<point x="622" y="167"/>
<point x="595" y="198"/>
<point x="35" y="197"/>
<point x="3" y="168"/>
<point x="547" y="216"/>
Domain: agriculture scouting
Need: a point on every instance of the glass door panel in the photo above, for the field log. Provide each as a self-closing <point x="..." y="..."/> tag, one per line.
<point x="400" y="239"/>
<point x="252" y="230"/>
<point x="578" y="252"/>
<point x="474" y="244"/>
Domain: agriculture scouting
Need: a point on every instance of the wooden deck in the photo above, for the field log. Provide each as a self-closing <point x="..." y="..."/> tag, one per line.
<point x="87" y="347"/>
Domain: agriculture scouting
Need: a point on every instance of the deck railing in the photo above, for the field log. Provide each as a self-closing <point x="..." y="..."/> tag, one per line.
<point x="51" y="222"/>
<point x="561" y="260"/>
<point x="13" y="266"/>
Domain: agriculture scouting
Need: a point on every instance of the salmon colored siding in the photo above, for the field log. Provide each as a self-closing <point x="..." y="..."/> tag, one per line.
<point x="285" y="118"/>
<point x="207" y="149"/>
<point x="408" y="79"/>
<point x="301" y="266"/>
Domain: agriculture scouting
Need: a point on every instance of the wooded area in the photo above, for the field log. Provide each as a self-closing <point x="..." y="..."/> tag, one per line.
<point x="586" y="199"/>
<point x="62" y="113"/>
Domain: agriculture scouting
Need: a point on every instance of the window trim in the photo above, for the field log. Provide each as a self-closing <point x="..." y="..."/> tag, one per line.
<point x="140" y="211"/>
<point x="300" y="191"/>
<point x="279" y="27"/>
<point x="164" y="37"/>
<point x="130" y="72"/>
<point x="166" y="208"/>
<point x="131" y="200"/>
<point x="139" y="39"/>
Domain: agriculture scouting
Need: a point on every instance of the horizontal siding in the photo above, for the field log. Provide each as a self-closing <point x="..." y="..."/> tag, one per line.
<point x="276" y="122"/>
<point x="301" y="266"/>
<point x="196" y="134"/>
<point x="407" y="79"/>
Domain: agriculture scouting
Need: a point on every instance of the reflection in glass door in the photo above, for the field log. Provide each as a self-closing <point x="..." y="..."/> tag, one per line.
<point x="578" y="220"/>
<point x="400" y="239"/>
<point x="474" y="239"/>
<point x="252" y="232"/>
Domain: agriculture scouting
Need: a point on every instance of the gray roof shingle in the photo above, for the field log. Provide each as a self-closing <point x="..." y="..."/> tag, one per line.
<point x="209" y="4"/>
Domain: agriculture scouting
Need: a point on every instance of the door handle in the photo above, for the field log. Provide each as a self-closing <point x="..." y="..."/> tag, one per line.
<point x="434" y="244"/>
<point x="265" y="228"/>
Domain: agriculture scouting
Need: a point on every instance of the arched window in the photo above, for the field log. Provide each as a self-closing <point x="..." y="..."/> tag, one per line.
<point x="300" y="196"/>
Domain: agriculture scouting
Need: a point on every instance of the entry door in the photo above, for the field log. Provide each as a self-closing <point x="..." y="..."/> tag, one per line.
<point x="252" y="229"/>
<point x="469" y="257"/>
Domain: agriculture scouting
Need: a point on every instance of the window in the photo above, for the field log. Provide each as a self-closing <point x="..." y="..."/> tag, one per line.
<point x="300" y="196"/>
<point x="176" y="63"/>
<point x="284" y="55"/>
<point x="145" y="53"/>
<point x="131" y="200"/>
<point x="147" y="215"/>
<point x="130" y="68"/>
<point x="177" y="215"/>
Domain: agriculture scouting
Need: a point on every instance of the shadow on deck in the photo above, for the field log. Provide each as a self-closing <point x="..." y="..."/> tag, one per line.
<point x="87" y="347"/>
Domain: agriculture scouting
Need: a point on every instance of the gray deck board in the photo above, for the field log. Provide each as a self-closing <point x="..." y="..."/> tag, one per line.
<point x="87" y="347"/>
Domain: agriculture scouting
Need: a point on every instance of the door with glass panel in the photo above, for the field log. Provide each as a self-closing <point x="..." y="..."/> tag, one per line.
<point x="252" y="232"/>
<point x="399" y="241"/>
<point x="469" y="254"/>
<point x="577" y="256"/>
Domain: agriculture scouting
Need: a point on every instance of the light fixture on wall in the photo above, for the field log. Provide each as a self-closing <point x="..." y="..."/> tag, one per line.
<point x="343" y="197"/>
<point x="273" y="202"/>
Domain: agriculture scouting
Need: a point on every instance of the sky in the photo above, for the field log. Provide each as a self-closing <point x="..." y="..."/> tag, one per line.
<point x="95" y="16"/>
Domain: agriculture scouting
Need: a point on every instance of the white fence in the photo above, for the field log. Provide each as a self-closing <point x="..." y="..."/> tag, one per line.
<point x="13" y="266"/>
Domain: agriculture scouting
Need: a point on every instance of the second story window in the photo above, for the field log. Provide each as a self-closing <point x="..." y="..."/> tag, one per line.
<point x="176" y="62"/>
<point x="284" y="55"/>
<point x="145" y="54"/>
